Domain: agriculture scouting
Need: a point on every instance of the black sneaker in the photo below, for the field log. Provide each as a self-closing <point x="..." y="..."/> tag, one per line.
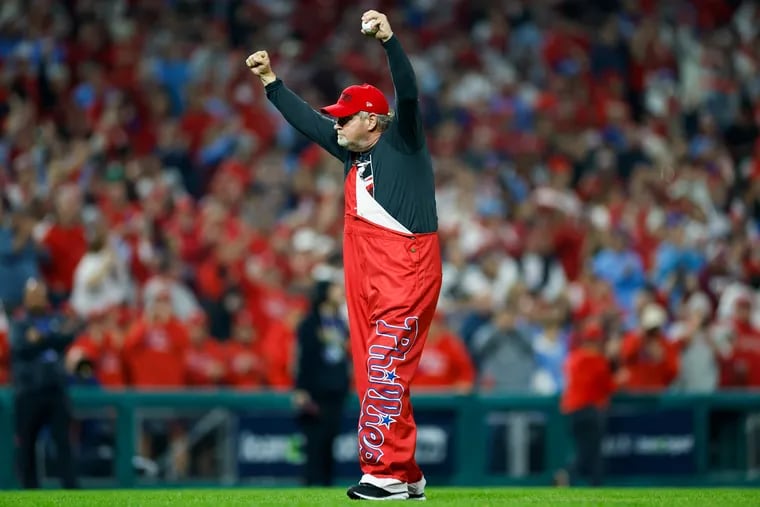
<point x="364" y="491"/>
<point x="417" y="496"/>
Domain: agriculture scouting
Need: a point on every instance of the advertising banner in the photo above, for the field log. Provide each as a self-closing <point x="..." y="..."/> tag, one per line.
<point x="643" y="442"/>
<point x="271" y="445"/>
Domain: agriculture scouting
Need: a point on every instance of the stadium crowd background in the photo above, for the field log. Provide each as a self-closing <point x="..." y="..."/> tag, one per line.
<point x="598" y="174"/>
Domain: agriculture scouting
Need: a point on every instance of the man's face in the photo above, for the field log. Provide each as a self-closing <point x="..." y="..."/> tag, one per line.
<point x="35" y="295"/>
<point x="68" y="204"/>
<point x="352" y="130"/>
<point x="162" y="307"/>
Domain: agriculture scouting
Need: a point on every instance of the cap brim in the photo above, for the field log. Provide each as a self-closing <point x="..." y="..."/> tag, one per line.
<point x="338" y="110"/>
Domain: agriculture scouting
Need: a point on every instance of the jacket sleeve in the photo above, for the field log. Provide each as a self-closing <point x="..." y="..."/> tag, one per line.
<point x="60" y="341"/>
<point x="408" y="116"/>
<point x="22" y="348"/>
<point x="314" y="125"/>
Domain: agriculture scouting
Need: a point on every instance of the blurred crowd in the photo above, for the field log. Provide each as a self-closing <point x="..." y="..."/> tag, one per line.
<point x="598" y="178"/>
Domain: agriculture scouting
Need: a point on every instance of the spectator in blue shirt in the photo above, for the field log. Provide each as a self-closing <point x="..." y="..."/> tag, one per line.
<point x="621" y="267"/>
<point x="674" y="260"/>
<point x="19" y="256"/>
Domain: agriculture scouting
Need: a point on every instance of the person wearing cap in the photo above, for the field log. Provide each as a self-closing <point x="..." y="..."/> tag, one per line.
<point x="391" y="251"/>
<point x="584" y="401"/>
<point x="649" y="360"/>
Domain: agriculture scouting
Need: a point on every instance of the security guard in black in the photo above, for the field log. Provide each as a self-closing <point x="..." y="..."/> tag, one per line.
<point x="39" y="338"/>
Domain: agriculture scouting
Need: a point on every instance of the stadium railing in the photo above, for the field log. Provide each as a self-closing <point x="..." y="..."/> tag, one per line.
<point x="659" y="440"/>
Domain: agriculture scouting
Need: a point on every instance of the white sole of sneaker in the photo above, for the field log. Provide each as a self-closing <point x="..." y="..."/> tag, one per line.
<point x="395" y="496"/>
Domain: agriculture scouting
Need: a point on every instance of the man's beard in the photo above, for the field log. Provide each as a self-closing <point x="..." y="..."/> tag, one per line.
<point x="342" y="141"/>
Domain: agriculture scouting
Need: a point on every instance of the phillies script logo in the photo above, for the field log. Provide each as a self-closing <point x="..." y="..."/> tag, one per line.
<point x="382" y="402"/>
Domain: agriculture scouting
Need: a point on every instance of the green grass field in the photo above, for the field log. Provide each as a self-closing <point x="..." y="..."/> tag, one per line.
<point x="436" y="496"/>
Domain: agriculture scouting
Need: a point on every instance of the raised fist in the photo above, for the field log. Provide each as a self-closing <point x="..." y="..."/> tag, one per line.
<point x="375" y="24"/>
<point x="260" y="65"/>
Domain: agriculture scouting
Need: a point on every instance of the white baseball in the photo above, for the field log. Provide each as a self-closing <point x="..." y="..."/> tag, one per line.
<point x="370" y="27"/>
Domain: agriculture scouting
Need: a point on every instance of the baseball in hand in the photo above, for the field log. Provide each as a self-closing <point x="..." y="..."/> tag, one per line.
<point x="370" y="27"/>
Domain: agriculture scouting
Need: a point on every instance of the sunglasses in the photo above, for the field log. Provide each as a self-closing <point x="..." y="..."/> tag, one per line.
<point x="343" y="120"/>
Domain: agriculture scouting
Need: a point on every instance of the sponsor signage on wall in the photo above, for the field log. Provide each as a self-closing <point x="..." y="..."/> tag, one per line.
<point x="656" y="442"/>
<point x="272" y="445"/>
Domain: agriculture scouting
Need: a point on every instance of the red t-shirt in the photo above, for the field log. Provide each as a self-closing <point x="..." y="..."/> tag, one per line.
<point x="568" y="243"/>
<point x="247" y="365"/>
<point x="742" y="368"/>
<point x="279" y="344"/>
<point x="267" y="304"/>
<point x="589" y="380"/>
<point x="106" y="358"/>
<point x="647" y="373"/>
<point x="66" y="247"/>
<point x="155" y="354"/>
<point x="205" y="363"/>
<point x="211" y="284"/>
<point x="445" y="363"/>
<point x="194" y="125"/>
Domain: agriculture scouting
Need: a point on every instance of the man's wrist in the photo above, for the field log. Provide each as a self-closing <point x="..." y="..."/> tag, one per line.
<point x="387" y="38"/>
<point x="268" y="79"/>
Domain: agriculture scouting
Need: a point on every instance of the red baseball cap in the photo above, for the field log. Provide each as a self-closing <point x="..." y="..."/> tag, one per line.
<point x="357" y="98"/>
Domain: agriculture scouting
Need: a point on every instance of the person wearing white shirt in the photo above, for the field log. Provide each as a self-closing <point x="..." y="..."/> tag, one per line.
<point x="101" y="279"/>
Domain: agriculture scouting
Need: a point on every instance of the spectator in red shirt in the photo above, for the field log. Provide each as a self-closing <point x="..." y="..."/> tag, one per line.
<point x="446" y="363"/>
<point x="584" y="401"/>
<point x="246" y="360"/>
<point x="649" y="360"/>
<point x="155" y="346"/>
<point x="183" y="233"/>
<point x="742" y="369"/>
<point x="100" y="349"/>
<point x="280" y="345"/>
<point x="205" y="360"/>
<point x="65" y="242"/>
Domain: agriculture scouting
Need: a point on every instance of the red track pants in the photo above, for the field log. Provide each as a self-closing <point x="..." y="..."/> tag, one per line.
<point x="392" y="285"/>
